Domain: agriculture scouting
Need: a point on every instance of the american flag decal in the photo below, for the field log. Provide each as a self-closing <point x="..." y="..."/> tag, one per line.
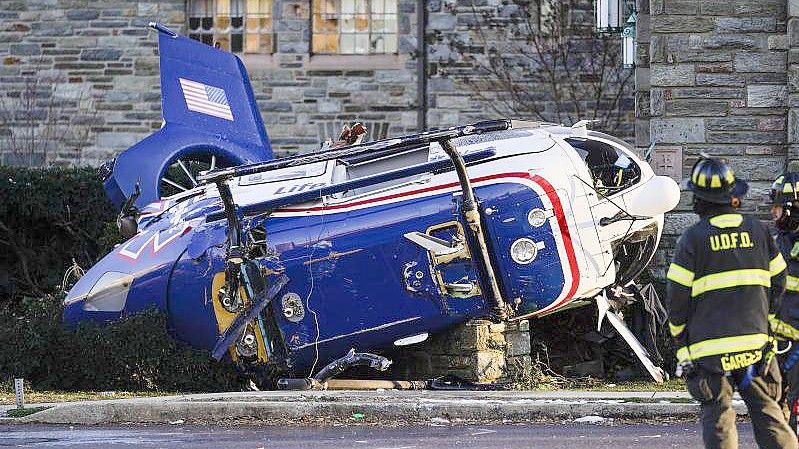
<point x="206" y="99"/>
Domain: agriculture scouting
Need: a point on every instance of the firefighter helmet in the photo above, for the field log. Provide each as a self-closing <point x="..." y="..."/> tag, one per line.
<point x="714" y="181"/>
<point x="784" y="189"/>
<point x="785" y="192"/>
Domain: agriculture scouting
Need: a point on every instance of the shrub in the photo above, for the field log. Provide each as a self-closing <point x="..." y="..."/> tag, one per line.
<point x="135" y="353"/>
<point x="48" y="217"/>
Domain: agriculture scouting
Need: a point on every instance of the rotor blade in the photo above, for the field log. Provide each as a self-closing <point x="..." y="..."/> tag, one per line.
<point x="397" y="144"/>
<point x="188" y="173"/>
<point x="213" y="162"/>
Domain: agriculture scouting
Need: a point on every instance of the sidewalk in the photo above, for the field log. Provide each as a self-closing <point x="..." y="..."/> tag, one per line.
<point x="282" y="407"/>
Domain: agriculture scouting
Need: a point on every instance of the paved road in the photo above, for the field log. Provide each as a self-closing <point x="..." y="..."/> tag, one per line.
<point x="436" y="436"/>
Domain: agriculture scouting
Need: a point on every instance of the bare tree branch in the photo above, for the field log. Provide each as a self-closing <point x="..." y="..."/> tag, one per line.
<point x="35" y="121"/>
<point x="543" y="61"/>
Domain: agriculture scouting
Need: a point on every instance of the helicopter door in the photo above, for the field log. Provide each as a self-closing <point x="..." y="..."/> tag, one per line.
<point x="450" y="259"/>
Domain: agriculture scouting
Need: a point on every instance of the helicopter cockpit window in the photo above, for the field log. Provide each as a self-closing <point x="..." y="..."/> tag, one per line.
<point x="611" y="169"/>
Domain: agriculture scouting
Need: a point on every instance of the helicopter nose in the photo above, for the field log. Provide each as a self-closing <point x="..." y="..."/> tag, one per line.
<point x="654" y="197"/>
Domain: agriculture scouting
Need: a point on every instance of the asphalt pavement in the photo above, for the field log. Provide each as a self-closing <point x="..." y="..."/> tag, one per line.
<point x="383" y="406"/>
<point x="560" y="435"/>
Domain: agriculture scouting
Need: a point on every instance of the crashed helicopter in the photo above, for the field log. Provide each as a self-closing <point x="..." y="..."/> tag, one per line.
<point x="283" y="265"/>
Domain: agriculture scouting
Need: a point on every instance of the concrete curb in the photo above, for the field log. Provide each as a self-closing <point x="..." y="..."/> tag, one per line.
<point x="214" y="412"/>
<point x="383" y="407"/>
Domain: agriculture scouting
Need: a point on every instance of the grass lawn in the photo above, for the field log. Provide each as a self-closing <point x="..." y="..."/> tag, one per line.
<point x="38" y="397"/>
<point x="670" y="385"/>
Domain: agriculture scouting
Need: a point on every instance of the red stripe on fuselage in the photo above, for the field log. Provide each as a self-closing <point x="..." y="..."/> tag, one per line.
<point x="567" y="239"/>
<point x="543" y="183"/>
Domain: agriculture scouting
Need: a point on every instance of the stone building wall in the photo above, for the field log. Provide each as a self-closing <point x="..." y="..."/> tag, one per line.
<point x="718" y="83"/>
<point x="92" y="71"/>
<point x="87" y="73"/>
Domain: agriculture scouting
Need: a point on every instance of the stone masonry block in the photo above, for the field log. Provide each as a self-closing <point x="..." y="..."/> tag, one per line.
<point x="668" y="75"/>
<point x="643" y="104"/>
<point x="731" y="123"/>
<point x="642" y="139"/>
<point x="793" y="78"/>
<point x="715" y="67"/>
<point x="677" y="223"/>
<point x="442" y="21"/>
<point x="518" y="343"/>
<point x="517" y="326"/>
<point x="101" y="54"/>
<point x="766" y="96"/>
<point x="148" y="9"/>
<point x="758" y="61"/>
<point x="682" y="7"/>
<point x="793" y="126"/>
<point x="746" y="24"/>
<point x="488" y="365"/>
<point x="25" y="49"/>
<point x="715" y="7"/>
<point x="694" y="108"/>
<point x="720" y="80"/>
<point x="735" y="42"/>
<point x="708" y="93"/>
<point x="678" y="130"/>
<point x="82" y="14"/>
<point x="757" y="168"/>
<point x="752" y="137"/>
<point x="769" y="8"/>
<point x="681" y="24"/>
<point x="657" y="104"/>
<point x="771" y="124"/>
<point x="793" y="8"/>
<point x="702" y="55"/>
<point x="778" y="42"/>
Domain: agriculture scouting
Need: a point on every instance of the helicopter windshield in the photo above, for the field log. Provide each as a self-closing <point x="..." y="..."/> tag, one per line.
<point x="611" y="169"/>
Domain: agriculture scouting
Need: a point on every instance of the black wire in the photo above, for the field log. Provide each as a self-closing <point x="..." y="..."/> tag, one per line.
<point x="621" y="242"/>
<point x="632" y="217"/>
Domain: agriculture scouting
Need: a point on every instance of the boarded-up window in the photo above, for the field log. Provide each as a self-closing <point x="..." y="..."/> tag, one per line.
<point x="238" y="26"/>
<point x="355" y="27"/>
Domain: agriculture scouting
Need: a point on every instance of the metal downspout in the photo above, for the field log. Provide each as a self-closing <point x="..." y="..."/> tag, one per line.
<point x="421" y="64"/>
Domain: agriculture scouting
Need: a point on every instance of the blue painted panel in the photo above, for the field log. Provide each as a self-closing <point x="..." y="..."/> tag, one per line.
<point x="539" y="283"/>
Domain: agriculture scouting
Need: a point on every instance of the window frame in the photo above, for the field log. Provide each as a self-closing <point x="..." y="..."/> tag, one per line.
<point x="370" y="33"/>
<point x="211" y="10"/>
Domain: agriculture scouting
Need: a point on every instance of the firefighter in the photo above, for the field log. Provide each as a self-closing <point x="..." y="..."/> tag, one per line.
<point x="784" y="201"/>
<point x="727" y="276"/>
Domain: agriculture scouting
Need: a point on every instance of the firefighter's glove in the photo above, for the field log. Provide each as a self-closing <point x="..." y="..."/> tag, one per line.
<point x="685" y="369"/>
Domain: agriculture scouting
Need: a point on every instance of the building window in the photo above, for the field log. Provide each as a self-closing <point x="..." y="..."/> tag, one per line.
<point x="355" y="27"/>
<point x="238" y="26"/>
